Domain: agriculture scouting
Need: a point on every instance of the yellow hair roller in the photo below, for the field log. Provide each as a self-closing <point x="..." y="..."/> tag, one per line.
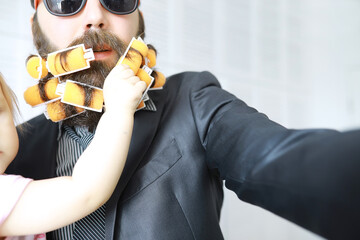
<point x="159" y="80"/>
<point x="69" y="60"/>
<point x="151" y="56"/>
<point x="138" y="56"/>
<point x="144" y="76"/>
<point x="135" y="56"/>
<point x="75" y="94"/>
<point x="33" y="96"/>
<point x="36" y="67"/>
<point x="140" y="46"/>
<point x="133" y="60"/>
<point x="55" y="111"/>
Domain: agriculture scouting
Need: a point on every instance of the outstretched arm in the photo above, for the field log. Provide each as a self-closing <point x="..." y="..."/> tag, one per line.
<point x="310" y="177"/>
<point x="50" y="204"/>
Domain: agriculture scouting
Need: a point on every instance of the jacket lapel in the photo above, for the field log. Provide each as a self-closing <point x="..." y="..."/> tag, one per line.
<point x="145" y="127"/>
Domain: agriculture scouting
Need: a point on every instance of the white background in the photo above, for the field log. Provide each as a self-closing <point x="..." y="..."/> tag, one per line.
<point x="298" y="61"/>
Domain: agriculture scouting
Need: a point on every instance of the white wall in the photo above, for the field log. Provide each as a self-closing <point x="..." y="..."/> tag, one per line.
<point x="15" y="47"/>
<point x="298" y="61"/>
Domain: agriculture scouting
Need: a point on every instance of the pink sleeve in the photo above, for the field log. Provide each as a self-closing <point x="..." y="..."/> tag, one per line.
<point x="11" y="188"/>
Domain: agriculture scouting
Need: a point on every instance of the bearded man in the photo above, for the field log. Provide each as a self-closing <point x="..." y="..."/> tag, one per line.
<point x="192" y="136"/>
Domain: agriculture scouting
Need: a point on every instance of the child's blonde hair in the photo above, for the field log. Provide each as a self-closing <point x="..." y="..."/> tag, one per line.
<point x="10" y="98"/>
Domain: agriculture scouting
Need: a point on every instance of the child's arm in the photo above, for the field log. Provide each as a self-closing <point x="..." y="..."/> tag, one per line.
<point x="50" y="204"/>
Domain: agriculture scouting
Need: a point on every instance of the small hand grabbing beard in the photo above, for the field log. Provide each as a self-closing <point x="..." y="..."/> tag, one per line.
<point x="93" y="76"/>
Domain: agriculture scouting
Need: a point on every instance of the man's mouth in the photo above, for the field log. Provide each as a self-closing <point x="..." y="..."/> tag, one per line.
<point x="102" y="52"/>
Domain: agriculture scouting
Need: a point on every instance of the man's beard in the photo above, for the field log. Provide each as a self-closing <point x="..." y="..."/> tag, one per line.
<point x="93" y="76"/>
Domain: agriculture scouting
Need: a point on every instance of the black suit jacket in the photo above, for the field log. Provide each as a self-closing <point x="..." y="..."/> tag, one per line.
<point x="171" y="187"/>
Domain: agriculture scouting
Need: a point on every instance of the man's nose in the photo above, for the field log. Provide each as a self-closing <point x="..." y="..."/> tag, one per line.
<point x="94" y="16"/>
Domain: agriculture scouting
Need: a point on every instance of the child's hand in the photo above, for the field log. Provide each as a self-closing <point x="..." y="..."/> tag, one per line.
<point x="122" y="90"/>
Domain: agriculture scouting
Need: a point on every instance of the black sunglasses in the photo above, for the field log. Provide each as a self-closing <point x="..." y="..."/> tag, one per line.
<point x="63" y="8"/>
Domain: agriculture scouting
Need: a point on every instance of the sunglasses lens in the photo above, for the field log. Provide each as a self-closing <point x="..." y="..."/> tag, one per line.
<point x="60" y="7"/>
<point x="120" y="6"/>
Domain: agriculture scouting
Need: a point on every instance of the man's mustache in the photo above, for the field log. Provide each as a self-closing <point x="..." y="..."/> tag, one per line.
<point x="100" y="40"/>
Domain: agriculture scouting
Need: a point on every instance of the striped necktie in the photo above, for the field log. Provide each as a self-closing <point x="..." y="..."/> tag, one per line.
<point x="93" y="225"/>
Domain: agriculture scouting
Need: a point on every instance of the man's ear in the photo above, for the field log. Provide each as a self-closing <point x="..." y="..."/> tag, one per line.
<point x="31" y="24"/>
<point x="32" y="19"/>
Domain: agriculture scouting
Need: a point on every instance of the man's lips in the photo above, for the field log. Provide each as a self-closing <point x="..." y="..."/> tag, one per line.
<point x="103" y="54"/>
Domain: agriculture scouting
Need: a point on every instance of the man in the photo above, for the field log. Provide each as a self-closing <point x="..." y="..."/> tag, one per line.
<point x="194" y="136"/>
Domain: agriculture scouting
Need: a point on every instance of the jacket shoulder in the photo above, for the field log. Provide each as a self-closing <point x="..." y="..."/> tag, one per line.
<point x="34" y="125"/>
<point x="191" y="81"/>
<point x="37" y="149"/>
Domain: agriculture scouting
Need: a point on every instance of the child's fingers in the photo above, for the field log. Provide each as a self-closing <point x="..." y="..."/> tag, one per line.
<point x="122" y="71"/>
<point x="141" y="86"/>
<point x="132" y="80"/>
<point x="121" y="67"/>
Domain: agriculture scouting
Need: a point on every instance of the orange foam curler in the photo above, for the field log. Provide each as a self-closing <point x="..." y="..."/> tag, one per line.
<point x="133" y="59"/>
<point x="55" y="111"/>
<point x="159" y="81"/>
<point x="74" y="94"/>
<point x="36" y="67"/>
<point x="140" y="46"/>
<point x="33" y="97"/>
<point x="144" y="76"/>
<point x="69" y="60"/>
<point x="151" y="56"/>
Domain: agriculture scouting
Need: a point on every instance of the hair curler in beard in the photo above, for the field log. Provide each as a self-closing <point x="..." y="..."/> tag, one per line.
<point x="36" y="67"/>
<point x="83" y="96"/>
<point x="151" y="56"/>
<point x="55" y="111"/>
<point x="141" y="58"/>
<point x="68" y="99"/>
<point x="69" y="60"/>
<point x="133" y="59"/>
<point x="134" y="55"/>
<point x="145" y="76"/>
<point x="42" y="93"/>
<point x="159" y="80"/>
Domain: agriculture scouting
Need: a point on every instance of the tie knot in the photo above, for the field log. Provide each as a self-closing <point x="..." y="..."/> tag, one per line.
<point x="81" y="134"/>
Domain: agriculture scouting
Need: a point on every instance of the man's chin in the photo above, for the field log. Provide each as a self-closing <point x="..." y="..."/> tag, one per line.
<point x="107" y="63"/>
<point x="88" y="119"/>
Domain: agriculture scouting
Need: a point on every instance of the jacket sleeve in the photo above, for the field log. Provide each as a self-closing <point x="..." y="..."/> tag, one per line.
<point x="310" y="177"/>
